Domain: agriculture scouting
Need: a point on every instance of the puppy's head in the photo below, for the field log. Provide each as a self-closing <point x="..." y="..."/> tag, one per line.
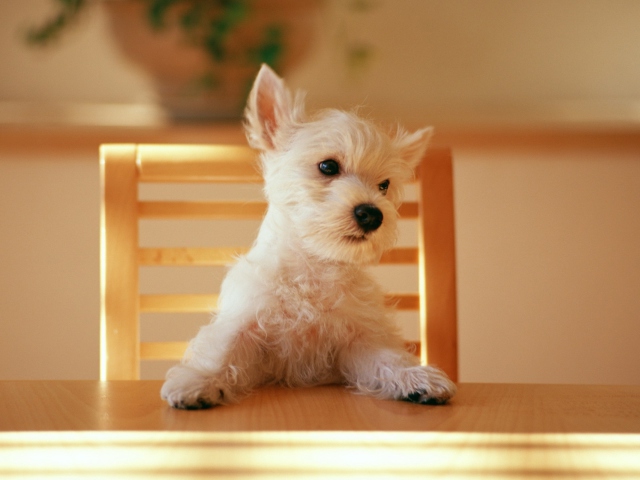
<point x="334" y="180"/>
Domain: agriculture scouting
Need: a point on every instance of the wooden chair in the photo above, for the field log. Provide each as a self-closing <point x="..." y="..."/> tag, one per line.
<point x="125" y="166"/>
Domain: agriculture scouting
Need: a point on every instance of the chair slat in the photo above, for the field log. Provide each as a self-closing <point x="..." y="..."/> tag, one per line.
<point x="400" y="255"/>
<point x="216" y="257"/>
<point x="222" y="256"/>
<point x="189" y="303"/>
<point x="162" y="350"/>
<point x="403" y="301"/>
<point x="198" y="163"/>
<point x="203" y="210"/>
<point x="408" y="210"/>
<point x="175" y="350"/>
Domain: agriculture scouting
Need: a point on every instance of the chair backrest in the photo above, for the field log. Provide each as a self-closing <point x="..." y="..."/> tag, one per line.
<point x="125" y="166"/>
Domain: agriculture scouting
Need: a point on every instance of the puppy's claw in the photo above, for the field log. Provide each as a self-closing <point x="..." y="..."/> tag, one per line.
<point x="423" y="399"/>
<point x="199" y="404"/>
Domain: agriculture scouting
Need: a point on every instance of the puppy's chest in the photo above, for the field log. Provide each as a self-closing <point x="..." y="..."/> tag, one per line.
<point x="310" y="319"/>
<point x="309" y="299"/>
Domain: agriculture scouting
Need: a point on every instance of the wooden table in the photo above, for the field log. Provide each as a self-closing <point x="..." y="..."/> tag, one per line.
<point x="123" y="429"/>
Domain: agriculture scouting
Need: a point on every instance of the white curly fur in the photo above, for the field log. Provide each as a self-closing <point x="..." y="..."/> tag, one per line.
<point x="300" y="309"/>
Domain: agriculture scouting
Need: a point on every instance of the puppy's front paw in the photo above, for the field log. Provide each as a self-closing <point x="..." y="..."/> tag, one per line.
<point x="189" y="389"/>
<point x="435" y="387"/>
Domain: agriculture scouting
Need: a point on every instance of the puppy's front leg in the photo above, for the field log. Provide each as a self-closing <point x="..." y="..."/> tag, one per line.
<point x="392" y="373"/>
<point x="220" y="366"/>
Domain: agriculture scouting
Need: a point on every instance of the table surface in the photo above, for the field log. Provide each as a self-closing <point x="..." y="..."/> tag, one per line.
<point x="124" y="429"/>
<point x="505" y="408"/>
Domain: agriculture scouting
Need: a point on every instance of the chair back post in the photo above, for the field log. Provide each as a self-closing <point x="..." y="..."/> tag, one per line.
<point x="438" y="302"/>
<point x="119" y="306"/>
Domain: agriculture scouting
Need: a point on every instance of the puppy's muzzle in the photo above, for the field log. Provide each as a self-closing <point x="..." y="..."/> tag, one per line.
<point x="368" y="217"/>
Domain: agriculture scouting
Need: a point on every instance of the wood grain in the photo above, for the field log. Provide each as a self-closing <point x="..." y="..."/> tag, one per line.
<point x="123" y="430"/>
<point x="487" y="408"/>
<point x="438" y="312"/>
<point x="119" y="351"/>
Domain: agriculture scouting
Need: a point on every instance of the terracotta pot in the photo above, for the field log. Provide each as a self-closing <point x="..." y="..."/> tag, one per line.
<point x="178" y="66"/>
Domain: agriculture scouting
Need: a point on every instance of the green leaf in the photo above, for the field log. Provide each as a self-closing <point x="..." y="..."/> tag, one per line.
<point x="157" y="11"/>
<point x="52" y="28"/>
<point x="272" y="47"/>
<point x="190" y="19"/>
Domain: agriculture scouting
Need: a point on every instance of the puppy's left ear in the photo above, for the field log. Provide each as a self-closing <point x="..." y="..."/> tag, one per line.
<point x="412" y="146"/>
<point x="270" y="110"/>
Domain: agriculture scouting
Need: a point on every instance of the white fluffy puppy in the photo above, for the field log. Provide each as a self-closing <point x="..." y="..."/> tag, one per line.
<point x="300" y="309"/>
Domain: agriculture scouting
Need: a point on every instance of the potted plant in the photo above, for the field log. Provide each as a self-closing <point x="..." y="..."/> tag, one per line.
<point x="201" y="54"/>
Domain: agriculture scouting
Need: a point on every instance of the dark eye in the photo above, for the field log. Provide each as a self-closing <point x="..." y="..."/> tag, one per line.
<point x="329" y="167"/>
<point x="383" y="187"/>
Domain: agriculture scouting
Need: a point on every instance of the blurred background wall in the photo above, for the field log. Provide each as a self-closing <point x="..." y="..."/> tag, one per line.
<point x="539" y="100"/>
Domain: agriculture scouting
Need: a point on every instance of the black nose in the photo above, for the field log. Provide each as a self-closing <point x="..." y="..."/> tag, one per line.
<point x="369" y="217"/>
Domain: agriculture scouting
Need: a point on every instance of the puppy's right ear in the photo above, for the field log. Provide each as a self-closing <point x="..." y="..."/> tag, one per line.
<point x="412" y="146"/>
<point x="270" y="110"/>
